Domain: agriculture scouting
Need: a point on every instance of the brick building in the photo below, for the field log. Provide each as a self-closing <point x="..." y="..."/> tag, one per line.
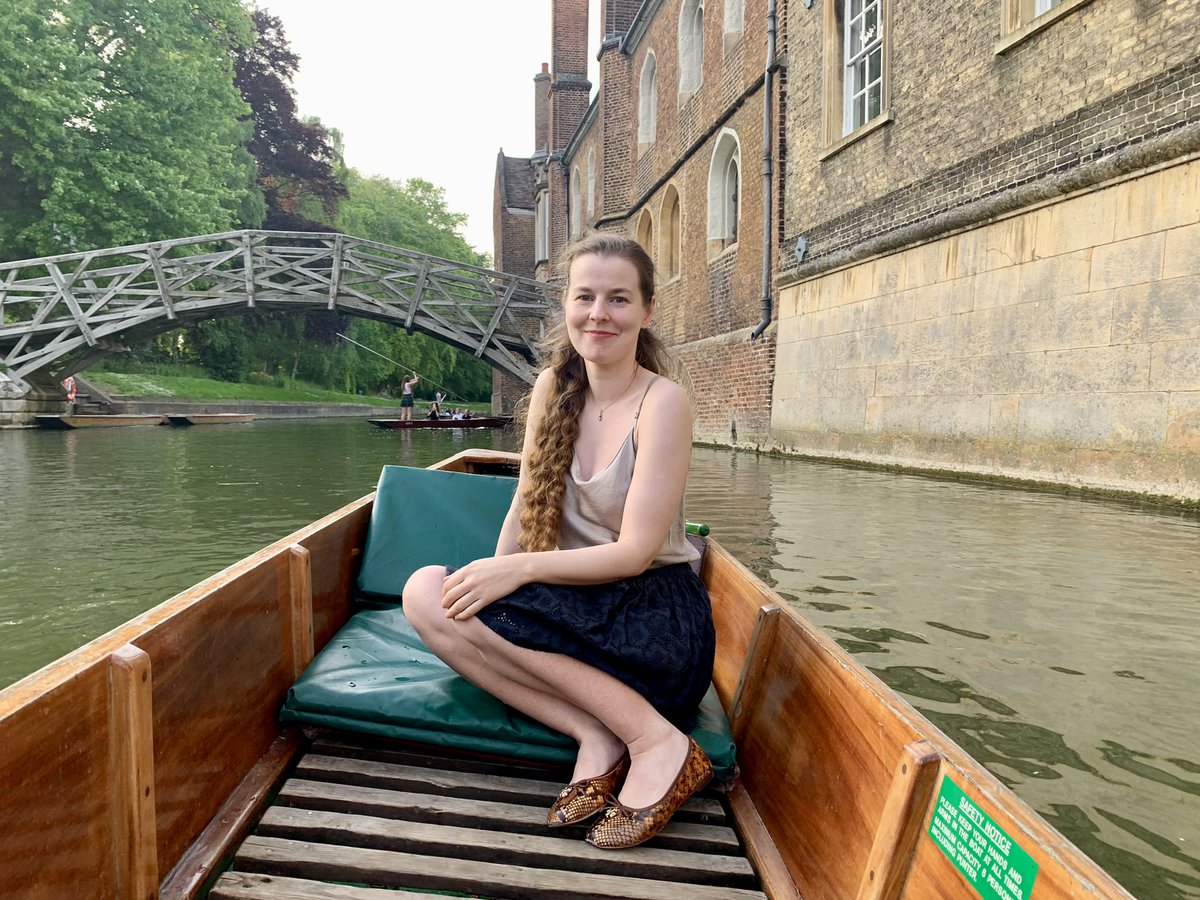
<point x="991" y="254"/>
<point x="980" y="251"/>
<point x="671" y="152"/>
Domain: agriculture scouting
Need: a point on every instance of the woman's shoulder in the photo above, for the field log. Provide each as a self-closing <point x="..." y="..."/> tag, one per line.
<point x="662" y="390"/>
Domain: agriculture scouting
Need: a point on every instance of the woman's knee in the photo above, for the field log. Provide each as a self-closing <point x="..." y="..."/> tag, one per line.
<point x="422" y="597"/>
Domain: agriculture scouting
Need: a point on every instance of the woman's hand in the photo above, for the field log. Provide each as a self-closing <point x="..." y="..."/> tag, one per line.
<point x="481" y="582"/>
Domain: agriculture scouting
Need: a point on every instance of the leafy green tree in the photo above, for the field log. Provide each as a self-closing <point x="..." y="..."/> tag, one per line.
<point x="120" y="123"/>
<point x="412" y="215"/>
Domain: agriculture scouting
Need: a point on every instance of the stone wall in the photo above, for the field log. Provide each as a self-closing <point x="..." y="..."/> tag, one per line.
<point x="1061" y="343"/>
<point x="968" y="116"/>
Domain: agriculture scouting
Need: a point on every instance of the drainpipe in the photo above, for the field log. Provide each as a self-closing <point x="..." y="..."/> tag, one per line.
<point x="768" y="165"/>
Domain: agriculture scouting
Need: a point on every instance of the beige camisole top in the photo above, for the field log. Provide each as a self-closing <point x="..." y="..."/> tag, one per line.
<point x="592" y="508"/>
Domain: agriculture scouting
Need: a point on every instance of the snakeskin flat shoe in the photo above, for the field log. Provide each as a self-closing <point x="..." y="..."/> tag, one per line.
<point x="620" y="827"/>
<point x="582" y="799"/>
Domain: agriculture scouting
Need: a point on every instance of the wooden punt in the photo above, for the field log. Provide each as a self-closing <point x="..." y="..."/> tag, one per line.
<point x="209" y="419"/>
<point x="142" y="764"/>
<point x="64" y="422"/>
<point x="474" y="422"/>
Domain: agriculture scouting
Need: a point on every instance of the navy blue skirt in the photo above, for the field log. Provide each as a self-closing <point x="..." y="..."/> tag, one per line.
<point x="654" y="632"/>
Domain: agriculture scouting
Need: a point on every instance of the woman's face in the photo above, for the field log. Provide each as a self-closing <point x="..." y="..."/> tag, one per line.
<point x="604" y="309"/>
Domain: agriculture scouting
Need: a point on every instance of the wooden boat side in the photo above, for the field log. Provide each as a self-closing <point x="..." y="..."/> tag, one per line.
<point x="477" y="422"/>
<point x="117" y="757"/>
<point x="185" y="419"/>
<point x="842" y="773"/>
<point x="64" y="422"/>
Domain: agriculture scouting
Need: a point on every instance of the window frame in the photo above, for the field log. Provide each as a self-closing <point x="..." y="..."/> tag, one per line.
<point x="541" y="243"/>
<point x="648" y="102"/>
<point x="691" y="48"/>
<point x="724" y="208"/>
<point x="671" y="226"/>
<point x="735" y="23"/>
<point x="838" y="94"/>
<point x="1021" y="19"/>
<point x="591" y="184"/>
<point x="645" y="233"/>
<point x="576" y="202"/>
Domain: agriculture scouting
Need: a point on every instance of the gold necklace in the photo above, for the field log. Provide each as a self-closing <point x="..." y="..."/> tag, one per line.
<point x="620" y="396"/>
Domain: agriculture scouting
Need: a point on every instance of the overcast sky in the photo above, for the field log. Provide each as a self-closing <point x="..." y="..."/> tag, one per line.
<point x="427" y="89"/>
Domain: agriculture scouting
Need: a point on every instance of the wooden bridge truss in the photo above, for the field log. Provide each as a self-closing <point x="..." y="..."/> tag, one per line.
<point x="60" y="314"/>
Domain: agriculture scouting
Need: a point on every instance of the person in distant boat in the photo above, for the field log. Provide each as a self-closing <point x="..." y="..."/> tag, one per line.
<point x="589" y="617"/>
<point x="406" y="397"/>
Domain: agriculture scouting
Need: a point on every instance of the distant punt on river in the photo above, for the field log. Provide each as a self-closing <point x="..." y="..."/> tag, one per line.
<point x="64" y="422"/>
<point x="473" y="422"/>
<point x="209" y="418"/>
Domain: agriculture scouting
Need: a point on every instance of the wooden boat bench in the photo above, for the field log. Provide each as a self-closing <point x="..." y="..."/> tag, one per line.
<point x="440" y="810"/>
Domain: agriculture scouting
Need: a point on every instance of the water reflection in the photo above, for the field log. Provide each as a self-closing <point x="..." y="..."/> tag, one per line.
<point x="1052" y="637"/>
<point x="98" y="525"/>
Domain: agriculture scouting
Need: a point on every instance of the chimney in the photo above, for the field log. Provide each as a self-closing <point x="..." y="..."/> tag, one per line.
<point x="570" y="87"/>
<point x="617" y="16"/>
<point x="541" y="110"/>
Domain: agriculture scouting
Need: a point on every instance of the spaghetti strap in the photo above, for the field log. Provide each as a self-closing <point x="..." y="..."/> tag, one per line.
<point x="643" y="400"/>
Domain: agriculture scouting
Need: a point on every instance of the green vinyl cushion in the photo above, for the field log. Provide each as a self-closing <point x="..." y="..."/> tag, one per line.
<point x="424" y="516"/>
<point x="376" y="677"/>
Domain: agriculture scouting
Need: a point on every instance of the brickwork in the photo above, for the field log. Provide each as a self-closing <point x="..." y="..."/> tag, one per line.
<point x="512" y="230"/>
<point x="730" y="380"/>
<point x="708" y="310"/>
<point x="569" y="60"/>
<point x="968" y="122"/>
<point x="617" y="125"/>
<point x="1061" y="344"/>
<point x="617" y="15"/>
<point x="722" y="294"/>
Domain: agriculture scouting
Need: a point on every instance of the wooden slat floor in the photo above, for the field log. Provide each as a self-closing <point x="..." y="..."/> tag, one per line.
<point x="363" y="822"/>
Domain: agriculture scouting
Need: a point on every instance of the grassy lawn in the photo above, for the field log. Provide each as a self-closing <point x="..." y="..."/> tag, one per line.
<point x="201" y="390"/>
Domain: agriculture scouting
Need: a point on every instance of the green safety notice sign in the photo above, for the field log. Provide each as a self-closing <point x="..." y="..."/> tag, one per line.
<point x="989" y="859"/>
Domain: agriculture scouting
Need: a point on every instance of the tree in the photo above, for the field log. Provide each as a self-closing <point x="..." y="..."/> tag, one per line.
<point x="295" y="158"/>
<point x="412" y="215"/>
<point x="120" y="123"/>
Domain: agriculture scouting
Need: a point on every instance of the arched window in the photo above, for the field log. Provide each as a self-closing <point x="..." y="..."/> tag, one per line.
<point x="648" y="101"/>
<point x="691" y="45"/>
<point x="645" y="232"/>
<point x="576" y="203"/>
<point x="724" y="192"/>
<point x="541" y="239"/>
<point x="734" y="13"/>
<point x="671" y="233"/>
<point x="591" y="206"/>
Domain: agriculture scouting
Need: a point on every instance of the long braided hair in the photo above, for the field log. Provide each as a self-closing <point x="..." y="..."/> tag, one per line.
<point x="549" y="458"/>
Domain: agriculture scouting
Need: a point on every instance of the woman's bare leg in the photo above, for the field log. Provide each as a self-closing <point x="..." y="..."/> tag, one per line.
<point x="555" y="689"/>
<point x="656" y="747"/>
<point x="599" y="748"/>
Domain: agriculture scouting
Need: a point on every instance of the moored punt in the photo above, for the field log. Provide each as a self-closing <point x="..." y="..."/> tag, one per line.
<point x="209" y="418"/>
<point x="139" y="762"/>
<point x="62" y="422"/>
<point x="474" y="422"/>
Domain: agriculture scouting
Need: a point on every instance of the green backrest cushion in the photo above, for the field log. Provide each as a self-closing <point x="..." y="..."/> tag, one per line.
<point x="426" y="516"/>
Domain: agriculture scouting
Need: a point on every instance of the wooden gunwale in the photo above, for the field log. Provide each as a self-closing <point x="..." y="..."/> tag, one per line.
<point x="837" y="784"/>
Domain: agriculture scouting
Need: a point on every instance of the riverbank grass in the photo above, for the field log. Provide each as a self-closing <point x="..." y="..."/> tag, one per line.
<point x="205" y="390"/>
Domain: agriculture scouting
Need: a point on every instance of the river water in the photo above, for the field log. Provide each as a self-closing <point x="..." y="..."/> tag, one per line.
<point x="1054" y="638"/>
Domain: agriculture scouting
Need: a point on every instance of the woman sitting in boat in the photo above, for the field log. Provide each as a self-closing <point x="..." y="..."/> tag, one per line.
<point x="589" y="617"/>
